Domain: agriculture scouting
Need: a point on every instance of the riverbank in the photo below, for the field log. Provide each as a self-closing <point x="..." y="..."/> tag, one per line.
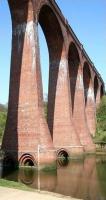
<point x="11" y="194"/>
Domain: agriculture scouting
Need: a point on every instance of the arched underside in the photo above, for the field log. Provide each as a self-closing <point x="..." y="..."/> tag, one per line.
<point x="53" y="34"/>
<point x="77" y="97"/>
<point x="101" y="91"/>
<point x="86" y="80"/>
<point x="96" y="85"/>
<point x="73" y="60"/>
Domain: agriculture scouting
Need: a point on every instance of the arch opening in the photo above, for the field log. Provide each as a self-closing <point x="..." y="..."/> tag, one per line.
<point x="29" y="163"/>
<point x="101" y="92"/>
<point x="54" y="39"/>
<point x="5" y="51"/>
<point x="86" y="81"/>
<point x="44" y="62"/>
<point x="5" y="58"/>
<point x="95" y="87"/>
<point x="73" y="61"/>
<point x="27" y="160"/>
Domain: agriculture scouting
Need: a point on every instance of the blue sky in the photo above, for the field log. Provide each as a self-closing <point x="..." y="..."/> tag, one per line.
<point x="87" y="19"/>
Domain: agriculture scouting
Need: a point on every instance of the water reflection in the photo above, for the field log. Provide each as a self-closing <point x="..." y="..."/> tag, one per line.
<point x="101" y="172"/>
<point x="85" y="179"/>
<point x="39" y="180"/>
<point x="1" y="168"/>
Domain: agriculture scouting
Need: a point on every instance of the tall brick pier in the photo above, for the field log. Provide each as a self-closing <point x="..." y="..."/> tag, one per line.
<point x="75" y="88"/>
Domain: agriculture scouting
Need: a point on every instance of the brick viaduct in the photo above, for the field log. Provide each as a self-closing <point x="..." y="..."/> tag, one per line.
<point x="75" y="87"/>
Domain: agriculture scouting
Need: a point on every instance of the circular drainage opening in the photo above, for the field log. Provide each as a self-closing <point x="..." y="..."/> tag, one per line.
<point x="62" y="157"/>
<point x="27" y="160"/>
<point x="29" y="163"/>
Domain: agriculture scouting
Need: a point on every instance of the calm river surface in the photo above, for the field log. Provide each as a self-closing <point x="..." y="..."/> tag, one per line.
<point x="84" y="179"/>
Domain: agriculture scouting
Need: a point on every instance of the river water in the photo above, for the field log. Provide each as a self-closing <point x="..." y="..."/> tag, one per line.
<point x="85" y="179"/>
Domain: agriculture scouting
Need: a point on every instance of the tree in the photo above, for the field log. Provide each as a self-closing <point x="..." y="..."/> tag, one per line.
<point x="101" y="121"/>
<point x="3" y="116"/>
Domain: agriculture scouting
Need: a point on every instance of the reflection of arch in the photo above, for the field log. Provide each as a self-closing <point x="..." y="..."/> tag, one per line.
<point x="27" y="160"/>
<point x="86" y="80"/>
<point x="95" y="87"/>
<point x="27" y="175"/>
<point x="48" y="20"/>
<point x="73" y="60"/>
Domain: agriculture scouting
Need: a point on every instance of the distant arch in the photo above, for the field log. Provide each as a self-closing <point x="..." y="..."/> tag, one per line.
<point x="55" y="42"/>
<point x="86" y="80"/>
<point x="73" y="62"/>
<point x="96" y="86"/>
<point x="101" y="91"/>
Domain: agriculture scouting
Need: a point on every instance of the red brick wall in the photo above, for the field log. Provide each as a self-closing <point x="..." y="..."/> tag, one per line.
<point x="68" y="121"/>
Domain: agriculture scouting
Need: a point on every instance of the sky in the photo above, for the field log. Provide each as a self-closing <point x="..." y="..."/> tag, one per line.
<point x="87" y="19"/>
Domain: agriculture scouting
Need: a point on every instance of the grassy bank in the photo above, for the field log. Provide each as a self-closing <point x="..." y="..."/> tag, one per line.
<point x="15" y="185"/>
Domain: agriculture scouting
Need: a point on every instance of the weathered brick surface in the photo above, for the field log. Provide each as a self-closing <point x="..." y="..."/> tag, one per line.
<point x="89" y="93"/>
<point x="26" y="128"/>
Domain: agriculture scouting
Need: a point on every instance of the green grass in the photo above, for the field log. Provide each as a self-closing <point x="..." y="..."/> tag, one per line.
<point x="15" y="185"/>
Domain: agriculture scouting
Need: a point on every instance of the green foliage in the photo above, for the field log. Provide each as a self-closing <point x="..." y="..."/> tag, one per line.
<point x="3" y="116"/>
<point x="3" y="108"/>
<point x="101" y="121"/>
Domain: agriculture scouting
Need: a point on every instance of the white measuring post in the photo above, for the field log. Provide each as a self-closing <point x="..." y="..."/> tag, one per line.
<point x="38" y="167"/>
<point x="40" y="147"/>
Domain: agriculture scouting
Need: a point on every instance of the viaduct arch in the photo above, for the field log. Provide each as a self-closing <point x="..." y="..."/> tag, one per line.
<point x="72" y="79"/>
